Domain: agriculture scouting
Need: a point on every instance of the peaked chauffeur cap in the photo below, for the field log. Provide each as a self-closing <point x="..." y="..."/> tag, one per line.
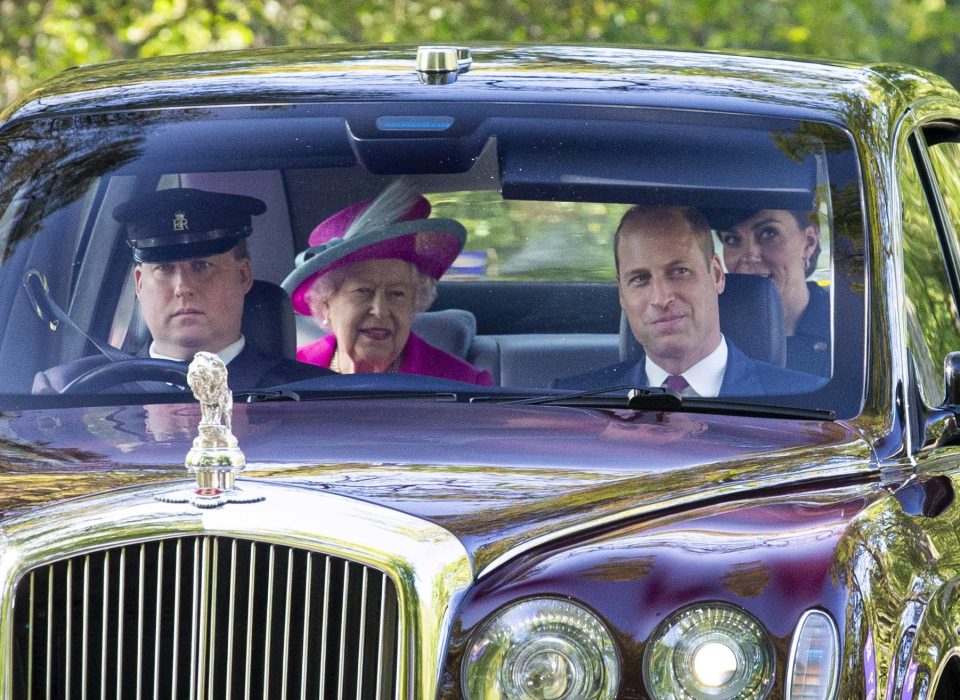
<point x="182" y="223"/>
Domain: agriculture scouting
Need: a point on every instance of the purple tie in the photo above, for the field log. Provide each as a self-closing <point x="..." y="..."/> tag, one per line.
<point x="676" y="383"/>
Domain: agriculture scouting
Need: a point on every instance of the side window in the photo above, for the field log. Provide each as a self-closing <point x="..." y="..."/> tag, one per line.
<point x="945" y="158"/>
<point x="933" y="325"/>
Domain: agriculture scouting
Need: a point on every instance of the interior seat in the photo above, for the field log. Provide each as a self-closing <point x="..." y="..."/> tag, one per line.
<point x="452" y="330"/>
<point x="534" y="360"/>
<point x="751" y="317"/>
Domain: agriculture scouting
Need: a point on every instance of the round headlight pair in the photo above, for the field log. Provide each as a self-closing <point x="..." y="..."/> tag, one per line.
<point x="542" y="649"/>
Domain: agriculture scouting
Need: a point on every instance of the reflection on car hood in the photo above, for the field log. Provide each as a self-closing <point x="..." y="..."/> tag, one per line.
<point x="494" y="475"/>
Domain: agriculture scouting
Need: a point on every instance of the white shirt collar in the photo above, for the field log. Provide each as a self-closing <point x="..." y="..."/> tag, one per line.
<point x="704" y="378"/>
<point x="228" y="354"/>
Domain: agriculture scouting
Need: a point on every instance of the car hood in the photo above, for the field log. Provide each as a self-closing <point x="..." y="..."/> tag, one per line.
<point x="496" y="476"/>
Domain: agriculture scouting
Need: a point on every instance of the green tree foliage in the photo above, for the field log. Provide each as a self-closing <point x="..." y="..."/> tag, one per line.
<point x="39" y="38"/>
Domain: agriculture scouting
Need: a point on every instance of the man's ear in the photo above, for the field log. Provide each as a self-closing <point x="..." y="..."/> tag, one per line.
<point x="811" y="236"/>
<point x="246" y="274"/>
<point x="620" y="293"/>
<point x="137" y="275"/>
<point x="716" y="272"/>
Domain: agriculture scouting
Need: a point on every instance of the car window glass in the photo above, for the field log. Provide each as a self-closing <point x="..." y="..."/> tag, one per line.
<point x="537" y="271"/>
<point x="945" y="157"/>
<point x="933" y="325"/>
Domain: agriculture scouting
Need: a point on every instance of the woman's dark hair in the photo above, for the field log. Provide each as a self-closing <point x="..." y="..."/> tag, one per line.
<point x="804" y="219"/>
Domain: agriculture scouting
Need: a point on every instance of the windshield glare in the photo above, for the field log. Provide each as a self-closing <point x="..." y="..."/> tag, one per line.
<point x="533" y="297"/>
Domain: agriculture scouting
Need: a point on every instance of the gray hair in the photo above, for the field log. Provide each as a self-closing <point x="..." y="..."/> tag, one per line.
<point x="325" y="286"/>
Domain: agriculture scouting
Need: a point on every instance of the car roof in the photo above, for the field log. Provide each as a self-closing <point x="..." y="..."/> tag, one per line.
<point x="744" y="83"/>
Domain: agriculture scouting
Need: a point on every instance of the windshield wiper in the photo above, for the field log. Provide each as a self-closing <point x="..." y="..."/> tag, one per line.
<point x="340" y="395"/>
<point x="661" y="399"/>
<point x="653" y="398"/>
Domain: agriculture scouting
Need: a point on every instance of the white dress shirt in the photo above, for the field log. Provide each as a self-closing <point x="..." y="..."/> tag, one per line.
<point x="227" y="354"/>
<point x="704" y="378"/>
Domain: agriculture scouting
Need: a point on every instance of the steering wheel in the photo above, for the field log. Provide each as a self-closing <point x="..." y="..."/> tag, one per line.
<point x="136" y="369"/>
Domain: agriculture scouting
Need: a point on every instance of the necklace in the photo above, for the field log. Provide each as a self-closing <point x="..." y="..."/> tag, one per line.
<point x="335" y="362"/>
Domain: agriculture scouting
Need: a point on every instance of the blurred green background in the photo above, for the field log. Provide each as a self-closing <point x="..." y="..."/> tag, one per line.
<point x="39" y="38"/>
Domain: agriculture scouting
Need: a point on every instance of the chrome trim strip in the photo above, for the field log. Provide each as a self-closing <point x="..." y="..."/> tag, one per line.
<point x="103" y="628"/>
<point x="203" y="594"/>
<point x="230" y="613"/>
<point x="140" y="583"/>
<point x="195" y="620"/>
<point x="398" y="686"/>
<point x="306" y="628"/>
<point x="86" y="628"/>
<point x="175" y="666"/>
<point x="427" y="565"/>
<point x="30" y="640"/>
<point x="266" y="646"/>
<point x="344" y="610"/>
<point x="157" y="626"/>
<point x="251" y="586"/>
<point x="49" y="627"/>
<point x="286" y="625"/>
<point x="121" y="595"/>
<point x="363" y="634"/>
<point x="208" y="660"/>
<point x="326" y="619"/>
<point x="68" y="621"/>
<point x="381" y="633"/>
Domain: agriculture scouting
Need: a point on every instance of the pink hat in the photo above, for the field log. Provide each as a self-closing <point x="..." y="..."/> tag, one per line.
<point x="393" y="225"/>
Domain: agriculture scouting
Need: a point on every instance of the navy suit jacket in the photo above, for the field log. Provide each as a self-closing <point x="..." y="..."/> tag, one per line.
<point x="249" y="370"/>
<point x="743" y="376"/>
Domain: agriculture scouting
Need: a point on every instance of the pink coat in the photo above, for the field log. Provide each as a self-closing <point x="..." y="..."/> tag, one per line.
<point x="419" y="357"/>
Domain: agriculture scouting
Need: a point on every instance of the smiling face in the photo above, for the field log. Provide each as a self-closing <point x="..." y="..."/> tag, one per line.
<point x="195" y="304"/>
<point x="370" y="314"/>
<point x="668" y="287"/>
<point x="772" y="243"/>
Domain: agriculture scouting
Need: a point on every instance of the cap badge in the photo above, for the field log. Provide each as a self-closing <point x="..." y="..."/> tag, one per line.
<point x="215" y="459"/>
<point x="180" y="222"/>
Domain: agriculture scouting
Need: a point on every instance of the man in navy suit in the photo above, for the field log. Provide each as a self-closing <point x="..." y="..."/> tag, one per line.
<point x="192" y="272"/>
<point x="669" y="279"/>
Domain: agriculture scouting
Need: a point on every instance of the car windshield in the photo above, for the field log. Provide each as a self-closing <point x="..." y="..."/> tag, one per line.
<point x="533" y="296"/>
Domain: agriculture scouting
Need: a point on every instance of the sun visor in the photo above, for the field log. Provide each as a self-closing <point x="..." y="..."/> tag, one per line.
<point x="656" y="163"/>
<point x="184" y="144"/>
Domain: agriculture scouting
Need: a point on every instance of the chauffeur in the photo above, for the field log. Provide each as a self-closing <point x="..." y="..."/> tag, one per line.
<point x="192" y="272"/>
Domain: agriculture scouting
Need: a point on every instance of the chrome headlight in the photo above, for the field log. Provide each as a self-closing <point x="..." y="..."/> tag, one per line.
<point x="709" y="652"/>
<point x="541" y="649"/>
<point x="814" y="658"/>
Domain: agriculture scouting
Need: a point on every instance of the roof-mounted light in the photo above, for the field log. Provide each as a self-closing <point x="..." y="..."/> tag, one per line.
<point x="440" y="65"/>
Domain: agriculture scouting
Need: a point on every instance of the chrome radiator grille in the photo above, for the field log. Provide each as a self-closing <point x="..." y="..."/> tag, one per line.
<point x="205" y="617"/>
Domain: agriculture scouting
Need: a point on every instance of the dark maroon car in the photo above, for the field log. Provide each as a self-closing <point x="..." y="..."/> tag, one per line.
<point x="528" y="537"/>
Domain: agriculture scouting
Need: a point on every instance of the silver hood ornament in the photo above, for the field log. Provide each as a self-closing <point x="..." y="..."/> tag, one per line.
<point x="215" y="459"/>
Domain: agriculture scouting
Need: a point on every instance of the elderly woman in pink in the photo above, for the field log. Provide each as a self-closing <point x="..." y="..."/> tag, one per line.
<point x="368" y="270"/>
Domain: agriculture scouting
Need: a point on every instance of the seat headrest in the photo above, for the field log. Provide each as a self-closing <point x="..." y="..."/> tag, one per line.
<point x="267" y="323"/>
<point x="452" y="330"/>
<point x="751" y="317"/>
